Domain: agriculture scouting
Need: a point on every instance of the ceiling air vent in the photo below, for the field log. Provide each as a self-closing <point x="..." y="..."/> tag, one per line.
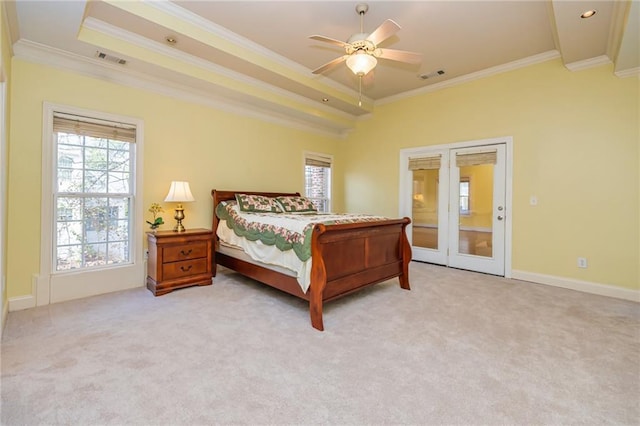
<point x="111" y="58"/>
<point x="431" y="74"/>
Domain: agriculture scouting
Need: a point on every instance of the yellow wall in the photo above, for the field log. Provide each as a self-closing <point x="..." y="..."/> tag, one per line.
<point x="575" y="142"/>
<point x="207" y="147"/>
<point x="575" y="147"/>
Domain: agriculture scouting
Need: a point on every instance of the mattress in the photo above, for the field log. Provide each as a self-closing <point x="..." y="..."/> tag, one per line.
<point x="238" y="253"/>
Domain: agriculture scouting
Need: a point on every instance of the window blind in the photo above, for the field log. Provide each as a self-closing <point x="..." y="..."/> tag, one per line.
<point x="75" y="124"/>
<point x="476" y="159"/>
<point x="424" y="163"/>
<point x="317" y="161"/>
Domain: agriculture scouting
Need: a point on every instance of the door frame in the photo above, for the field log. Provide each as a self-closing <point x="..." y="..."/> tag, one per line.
<point x="406" y="184"/>
<point x="4" y="173"/>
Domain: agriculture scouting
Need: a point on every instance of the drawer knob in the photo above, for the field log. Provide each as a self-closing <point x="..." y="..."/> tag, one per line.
<point x="186" y="269"/>
<point x="185" y="253"/>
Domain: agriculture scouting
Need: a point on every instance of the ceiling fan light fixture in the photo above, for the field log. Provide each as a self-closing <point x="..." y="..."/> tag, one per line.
<point x="360" y="63"/>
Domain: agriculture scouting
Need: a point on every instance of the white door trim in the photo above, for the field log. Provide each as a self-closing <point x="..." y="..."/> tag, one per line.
<point x="122" y="275"/>
<point x="405" y="190"/>
<point x="4" y="161"/>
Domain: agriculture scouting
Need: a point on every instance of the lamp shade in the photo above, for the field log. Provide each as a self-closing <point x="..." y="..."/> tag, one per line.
<point x="179" y="193"/>
<point x="361" y="63"/>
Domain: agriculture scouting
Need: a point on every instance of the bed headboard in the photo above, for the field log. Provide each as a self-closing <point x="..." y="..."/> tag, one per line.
<point x="219" y="195"/>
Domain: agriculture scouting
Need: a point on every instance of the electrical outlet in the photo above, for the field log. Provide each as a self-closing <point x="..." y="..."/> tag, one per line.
<point x="582" y="262"/>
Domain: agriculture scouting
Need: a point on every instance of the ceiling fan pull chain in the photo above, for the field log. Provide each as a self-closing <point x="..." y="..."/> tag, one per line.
<point x="360" y="87"/>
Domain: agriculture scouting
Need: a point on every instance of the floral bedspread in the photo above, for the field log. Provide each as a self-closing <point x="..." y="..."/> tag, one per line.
<point x="284" y="231"/>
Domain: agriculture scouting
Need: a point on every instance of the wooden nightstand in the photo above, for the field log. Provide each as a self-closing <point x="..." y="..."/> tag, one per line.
<point x="178" y="259"/>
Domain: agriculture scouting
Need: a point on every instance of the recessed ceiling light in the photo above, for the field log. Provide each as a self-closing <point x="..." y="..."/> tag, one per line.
<point x="325" y="99"/>
<point x="170" y="40"/>
<point x="588" y="14"/>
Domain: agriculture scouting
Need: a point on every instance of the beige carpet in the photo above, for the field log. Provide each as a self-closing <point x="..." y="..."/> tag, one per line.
<point x="460" y="348"/>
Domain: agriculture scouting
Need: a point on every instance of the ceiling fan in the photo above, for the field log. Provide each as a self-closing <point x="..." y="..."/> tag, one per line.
<point x="361" y="50"/>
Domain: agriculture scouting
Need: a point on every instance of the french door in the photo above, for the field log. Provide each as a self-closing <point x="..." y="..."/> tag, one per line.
<point x="459" y="206"/>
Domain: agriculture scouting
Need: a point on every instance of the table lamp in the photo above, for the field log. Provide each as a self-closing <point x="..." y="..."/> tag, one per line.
<point x="179" y="192"/>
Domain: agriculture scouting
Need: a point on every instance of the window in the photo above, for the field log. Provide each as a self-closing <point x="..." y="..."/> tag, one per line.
<point x="464" y="196"/>
<point x="93" y="192"/>
<point x="317" y="180"/>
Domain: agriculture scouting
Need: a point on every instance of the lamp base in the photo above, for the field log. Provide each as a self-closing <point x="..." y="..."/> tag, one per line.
<point x="178" y="217"/>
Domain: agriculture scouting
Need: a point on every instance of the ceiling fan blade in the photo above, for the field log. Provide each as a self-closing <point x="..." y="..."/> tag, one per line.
<point x="328" y="40"/>
<point x="328" y="65"/>
<point x="383" y="32"/>
<point x="399" y="55"/>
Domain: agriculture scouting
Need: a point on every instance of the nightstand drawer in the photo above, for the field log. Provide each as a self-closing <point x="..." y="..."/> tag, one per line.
<point x="185" y="252"/>
<point x="184" y="269"/>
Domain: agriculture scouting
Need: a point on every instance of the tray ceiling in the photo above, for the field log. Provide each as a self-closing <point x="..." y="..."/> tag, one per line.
<point x="256" y="57"/>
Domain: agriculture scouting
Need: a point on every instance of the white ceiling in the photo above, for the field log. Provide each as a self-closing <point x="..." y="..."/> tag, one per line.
<point x="256" y="57"/>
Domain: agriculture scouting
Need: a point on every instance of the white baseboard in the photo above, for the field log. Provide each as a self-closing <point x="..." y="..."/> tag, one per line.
<point x="5" y="314"/>
<point x="25" y="302"/>
<point x="424" y="225"/>
<point x="475" y="228"/>
<point x="584" y="286"/>
<point x="21" y="302"/>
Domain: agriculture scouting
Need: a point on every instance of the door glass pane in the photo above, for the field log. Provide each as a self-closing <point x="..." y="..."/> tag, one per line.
<point x="476" y="210"/>
<point x="425" y="209"/>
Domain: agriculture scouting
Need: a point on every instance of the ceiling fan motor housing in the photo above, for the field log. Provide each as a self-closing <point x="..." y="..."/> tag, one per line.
<point x="359" y="42"/>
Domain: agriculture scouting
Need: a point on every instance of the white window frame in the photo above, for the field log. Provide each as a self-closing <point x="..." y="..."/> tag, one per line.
<point x="323" y="158"/>
<point x="126" y="276"/>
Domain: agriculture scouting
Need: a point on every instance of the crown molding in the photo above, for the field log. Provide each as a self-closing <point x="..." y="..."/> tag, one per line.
<point x="182" y="21"/>
<point x="57" y="58"/>
<point x="164" y="50"/>
<point x="588" y="63"/>
<point x="198" y="21"/>
<point x="173" y="9"/>
<point x="488" y="72"/>
<point x="631" y="72"/>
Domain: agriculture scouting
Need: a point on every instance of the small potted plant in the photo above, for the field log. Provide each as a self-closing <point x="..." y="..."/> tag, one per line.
<point x="155" y="209"/>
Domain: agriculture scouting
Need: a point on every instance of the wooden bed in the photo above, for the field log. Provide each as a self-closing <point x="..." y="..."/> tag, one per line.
<point x="345" y="258"/>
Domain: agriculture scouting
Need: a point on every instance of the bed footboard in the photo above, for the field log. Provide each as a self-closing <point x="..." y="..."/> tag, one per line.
<point x="348" y="257"/>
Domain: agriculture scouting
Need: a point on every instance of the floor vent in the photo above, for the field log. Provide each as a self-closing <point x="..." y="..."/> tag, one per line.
<point x="110" y="58"/>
